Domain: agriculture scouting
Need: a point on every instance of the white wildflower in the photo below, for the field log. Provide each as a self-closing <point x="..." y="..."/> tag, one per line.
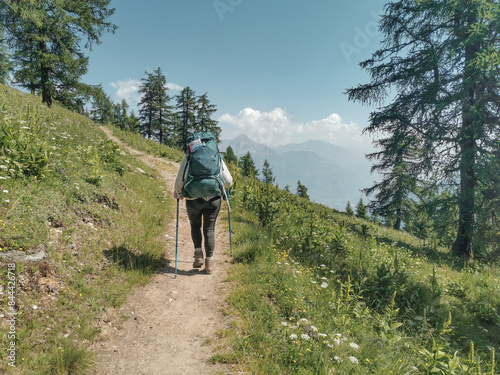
<point x="354" y="346"/>
<point x="284" y="323"/>
<point x="338" y="359"/>
<point x="3" y="166"/>
<point x="322" y="266"/>
<point x="322" y="335"/>
<point x="324" y="278"/>
<point x="324" y="285"/>
<point x="353" y="359"/>
<point x="314" y="282"/>
<point x="314" y="329"/>
<point x="278" y="262"/>
<point x="35" y="307"/>
<point x="6" y="200"/>
<point x="293" y="336"/>
<point x="5" y="191"/>
<point x="305" y="336"/>
<point x="303" y="320"/>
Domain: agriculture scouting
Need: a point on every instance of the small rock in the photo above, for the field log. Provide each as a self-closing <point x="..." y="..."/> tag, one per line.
<point x="140" y="170"/>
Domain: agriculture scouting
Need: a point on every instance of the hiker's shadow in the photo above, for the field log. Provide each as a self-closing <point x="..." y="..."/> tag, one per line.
<point x="134" y="260"/>
<point x="169" y="270"/>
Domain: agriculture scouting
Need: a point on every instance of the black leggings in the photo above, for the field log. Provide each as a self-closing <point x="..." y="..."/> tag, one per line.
<point x="208" y="210"/>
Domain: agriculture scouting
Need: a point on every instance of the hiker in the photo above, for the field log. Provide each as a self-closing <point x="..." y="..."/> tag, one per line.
<point x="203" y="193"/>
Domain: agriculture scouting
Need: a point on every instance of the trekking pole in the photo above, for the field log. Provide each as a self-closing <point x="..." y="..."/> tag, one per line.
<point x="229" y="219"/>
<point x="176" y="237"/>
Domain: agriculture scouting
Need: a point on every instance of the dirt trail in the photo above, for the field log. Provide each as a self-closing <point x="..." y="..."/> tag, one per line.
<point x="171" y="323"/>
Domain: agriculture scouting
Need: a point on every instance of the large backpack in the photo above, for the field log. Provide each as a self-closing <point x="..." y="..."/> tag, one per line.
<point x="203" y="177"/>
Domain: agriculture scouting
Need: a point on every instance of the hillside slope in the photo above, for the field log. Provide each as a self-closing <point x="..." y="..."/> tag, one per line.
<point x="97" y="216"/>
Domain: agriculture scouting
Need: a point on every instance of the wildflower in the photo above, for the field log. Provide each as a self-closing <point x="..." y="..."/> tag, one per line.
<point x="35" y="307"/>
<point x="324" y="285"/>
<point x="314" y="329"/>
<point x="305" y="336"/>
<point x="278" y="262"/>
<point x="329" y="345"/>
<point x="322" y="266"/>
<point x="3" y="166"/>
<point x="6" y="200"/>
<point x="354" y="346"/>
<point x="314" y="282"/>
<point x="322" y="335"/>
<point x="293" y="336"/>
<point x="284" y="324"/>
<point x="324" y="278"/>
<point x="5" y="191"/>
<point x="338" y="359"/>
<point x="353" y="359"/>
<point x="303" y="320"/>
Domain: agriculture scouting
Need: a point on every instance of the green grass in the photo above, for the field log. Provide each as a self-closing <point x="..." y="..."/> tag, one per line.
<point x="148" y="146"/>
<point x="66" y="189"/>
<point x="318" y="292"/>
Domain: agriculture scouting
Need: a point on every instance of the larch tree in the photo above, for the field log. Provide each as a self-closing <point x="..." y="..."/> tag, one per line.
<point x="439" y="66"/>
<point x="204" y="112"/>
<point x="47" y="38"/>
<point x="186" y="105"/>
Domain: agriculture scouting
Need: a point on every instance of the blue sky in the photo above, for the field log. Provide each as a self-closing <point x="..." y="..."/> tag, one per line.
<point x="277" y="70"/>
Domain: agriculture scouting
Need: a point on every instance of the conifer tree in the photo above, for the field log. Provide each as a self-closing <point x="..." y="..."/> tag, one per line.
<point x="230" y="157"/>
<point x="186" y="117"/>
<point x="102" y="110"/>
<point x="155" y="113"/>
<point x="348" y="209"/>
<point x="267" y="173"/>
<point x="361" y="210"/>
<point x="5" y="65"/>
<point x="439" y="64"/>
<point x="248" y="166"/>
<point x="204" y="111"/>
<point x="46" y="39"/>
<point x="302" y="191"/>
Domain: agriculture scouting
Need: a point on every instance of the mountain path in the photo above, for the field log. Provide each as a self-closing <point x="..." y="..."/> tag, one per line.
<point x="170" y="325"/>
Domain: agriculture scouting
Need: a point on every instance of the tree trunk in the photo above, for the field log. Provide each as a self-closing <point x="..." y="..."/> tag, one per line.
<point x="467" y="141"/>
<point x="45" y="77"/>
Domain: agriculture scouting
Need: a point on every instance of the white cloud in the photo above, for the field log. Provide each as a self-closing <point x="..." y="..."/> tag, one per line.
<point x="128" y="90"/>
<point x="275" y="128"/>
<point x="174" y="86"/>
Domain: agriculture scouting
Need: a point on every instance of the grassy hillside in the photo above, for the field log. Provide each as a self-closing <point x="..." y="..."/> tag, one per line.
<point x="69" y="192"/>
<point x="318" y="292"/>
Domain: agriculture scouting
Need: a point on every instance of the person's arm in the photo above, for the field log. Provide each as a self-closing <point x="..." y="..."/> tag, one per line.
<point x="226" y="175"/>
<point x="179" y="181"/>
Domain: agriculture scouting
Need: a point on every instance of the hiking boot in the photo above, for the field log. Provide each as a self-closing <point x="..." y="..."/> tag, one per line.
<point x="209" y="266"/>
<point x="198" y="258"/>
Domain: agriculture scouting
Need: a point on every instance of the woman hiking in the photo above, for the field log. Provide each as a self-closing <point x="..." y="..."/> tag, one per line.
<point x="202" y="179"/>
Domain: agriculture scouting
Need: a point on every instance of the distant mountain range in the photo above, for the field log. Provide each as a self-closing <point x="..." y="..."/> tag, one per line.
<point x="332" y="174"/>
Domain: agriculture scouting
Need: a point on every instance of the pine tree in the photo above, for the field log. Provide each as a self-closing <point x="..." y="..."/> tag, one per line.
<point x="155" y="113"/>
<point x="348" y="209"/>
<point x="46" y="39"/>
<point x="102" y="110"/>
<point x="302" y="191"/>
<point x="267" y="173"/>
<point x="230" y="157"/>
<point x="204" y="111"/>
<point x="439" y="63"/>
<point x="248" y="166"/>
<point x="361" y="210"/>
<point x="186" y="117"/>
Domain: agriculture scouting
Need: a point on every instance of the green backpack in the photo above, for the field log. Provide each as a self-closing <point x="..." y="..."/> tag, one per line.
<point x="203" y="177"/>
